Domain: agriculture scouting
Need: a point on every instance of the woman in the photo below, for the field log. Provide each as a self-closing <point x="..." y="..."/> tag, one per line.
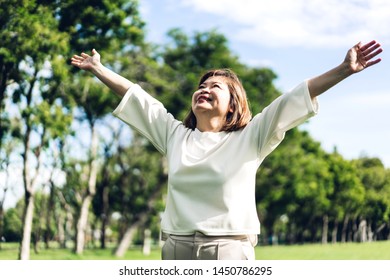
<point x="214" y="154"/>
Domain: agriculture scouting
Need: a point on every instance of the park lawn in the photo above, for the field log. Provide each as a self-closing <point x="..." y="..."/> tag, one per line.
<point x="379" y="250"/>
<point x="11" y="253"/>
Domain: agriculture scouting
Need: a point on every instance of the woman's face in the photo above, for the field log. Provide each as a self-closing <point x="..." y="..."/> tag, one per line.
<point x="213" y="97"/>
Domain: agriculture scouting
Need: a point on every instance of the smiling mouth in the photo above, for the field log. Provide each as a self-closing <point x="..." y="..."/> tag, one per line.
<point x="203" y="98"/>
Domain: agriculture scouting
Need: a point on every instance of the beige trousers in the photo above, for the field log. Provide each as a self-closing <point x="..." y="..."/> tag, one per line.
<point x="202" y="247"/>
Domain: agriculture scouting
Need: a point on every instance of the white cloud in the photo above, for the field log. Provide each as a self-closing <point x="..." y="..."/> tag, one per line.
<point x="305" y="23"/>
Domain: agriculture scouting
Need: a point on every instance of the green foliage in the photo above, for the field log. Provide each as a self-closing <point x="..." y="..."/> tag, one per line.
<point x="111" y="27"/>
<point x="348" y="191"/>
<point x="376" y="180"/>
<point x="293" y="181"/>
<point x="12" y="225"/>
<point x="258" y="83"/>
<point x="29" y="39"/>
<point x="140" y="175"/>
<point x="100" y="24"/>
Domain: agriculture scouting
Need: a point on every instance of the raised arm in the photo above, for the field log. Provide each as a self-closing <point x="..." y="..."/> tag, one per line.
<point x="115" y="82"/>
<point x="358" y="58"/>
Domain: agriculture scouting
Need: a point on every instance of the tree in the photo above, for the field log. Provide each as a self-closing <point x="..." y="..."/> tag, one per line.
<point x="375" y="211"/>
<point x="140" y="186"/>
<point x="292" y="186"/>
<point x="101" y="202"/>
<point x="12" y="34"/>
<point x="5" y="185"/>
<point x="32" y="66"/>
<point x="13" y="224"/>
<point x="115" y="29"/>
<point x="347" y="193"/>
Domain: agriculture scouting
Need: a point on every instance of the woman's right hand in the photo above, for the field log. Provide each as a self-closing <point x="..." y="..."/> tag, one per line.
<point x="114" y="81"/>
<point x="85" y="61"/>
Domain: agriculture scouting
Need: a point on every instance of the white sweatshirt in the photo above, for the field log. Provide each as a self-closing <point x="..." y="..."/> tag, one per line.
<point x="211" y="177"/>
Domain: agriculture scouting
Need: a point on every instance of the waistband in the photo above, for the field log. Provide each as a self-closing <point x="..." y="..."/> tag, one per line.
<point x="201" y="237"/>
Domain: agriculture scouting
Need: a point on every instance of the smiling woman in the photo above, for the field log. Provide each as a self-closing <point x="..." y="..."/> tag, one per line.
<point x="214" y="155"/>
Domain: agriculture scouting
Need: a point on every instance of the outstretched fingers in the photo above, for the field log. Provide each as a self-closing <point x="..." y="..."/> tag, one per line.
<point x="86" y="61"/>
<point x="76" y="60"/>
<point x="372" y="48"/>
<point x="367" y="45"/>
<point x="85" y="55"/>
<point x="373" y="62"/>
<point x="367" y="52"/>
<point x="79" y="59"/>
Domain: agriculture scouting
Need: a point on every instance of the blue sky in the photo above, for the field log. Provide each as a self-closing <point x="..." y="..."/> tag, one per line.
<point x="299" y="39"/>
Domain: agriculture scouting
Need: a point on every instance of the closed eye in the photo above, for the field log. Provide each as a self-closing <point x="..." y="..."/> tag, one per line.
<point x="217" y="85"/>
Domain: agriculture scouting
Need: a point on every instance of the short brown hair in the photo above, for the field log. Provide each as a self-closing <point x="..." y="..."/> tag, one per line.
<point x="241" y="114"/>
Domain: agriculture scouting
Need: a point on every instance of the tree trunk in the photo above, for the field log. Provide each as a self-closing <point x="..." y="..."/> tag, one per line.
<point x="355" y="230"/>
<point x="370" y="233"/>
<point x="37" y="229"/>
<point x="147" y="242"/>
<point x="105" y="204"/>
<point x="24" y="251"/>
<point x="82" y="222"/>
<point x="344" y="229"/>
<point x="335" y="231"/>
<point x="363" y="230"/>
<point x="69" y="221"/>
<point x="28" y="180"/>
<point x="105" y="217"/>
<point x="64" y="222"/>
<point x="378" y="230"/>
<point x="388" y="227"/>
<point x="28" y="212"/>
<point x="325" y="224"/>
<point x="61" y="231"/>
<point x="129" y="234"/>
<point x="142" y="218"/>
<point x="49" y="213"/>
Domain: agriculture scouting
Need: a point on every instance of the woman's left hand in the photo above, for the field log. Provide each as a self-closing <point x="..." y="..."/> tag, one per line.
<point x="361" y="56"/>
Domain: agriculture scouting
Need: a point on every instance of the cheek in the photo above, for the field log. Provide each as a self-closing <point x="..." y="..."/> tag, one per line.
<point x="228" y="102"/>
<point x="193" y="97"/>
<point x="193" y="102"/>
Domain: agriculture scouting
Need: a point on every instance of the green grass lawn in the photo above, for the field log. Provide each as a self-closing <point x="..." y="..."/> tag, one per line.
<point x="347" y="251"/>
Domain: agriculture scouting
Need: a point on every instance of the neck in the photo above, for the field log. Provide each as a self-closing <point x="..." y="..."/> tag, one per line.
<point x="209" y="125"/>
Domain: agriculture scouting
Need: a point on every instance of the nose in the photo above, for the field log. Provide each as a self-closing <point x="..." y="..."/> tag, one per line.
<point x="205" y="90"/>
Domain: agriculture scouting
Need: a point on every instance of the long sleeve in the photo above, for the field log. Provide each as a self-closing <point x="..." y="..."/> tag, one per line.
<point x="287" y="111"/>
<point x="147" y="115"/>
